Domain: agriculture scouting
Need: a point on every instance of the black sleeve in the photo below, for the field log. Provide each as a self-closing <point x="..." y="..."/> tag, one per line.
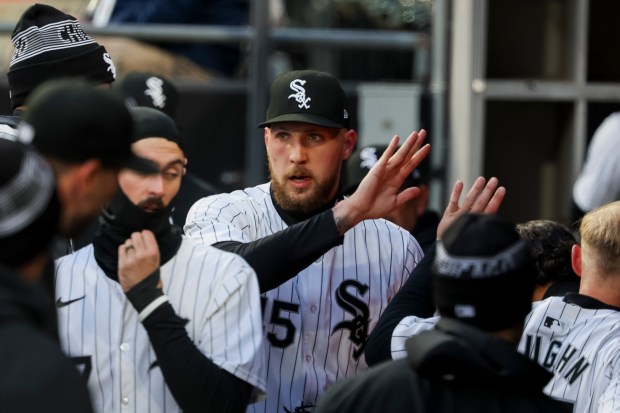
<point x="414" y="298"/>
<point x="197" y="384"/>
<point x="295" y="247"/>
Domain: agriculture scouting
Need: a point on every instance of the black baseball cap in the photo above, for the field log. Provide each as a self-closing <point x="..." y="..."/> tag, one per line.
<point x="148" y="89"/>
<point x="74" y="121"/>
<point x="364" y="158"/>
<point x="307" y="96"/>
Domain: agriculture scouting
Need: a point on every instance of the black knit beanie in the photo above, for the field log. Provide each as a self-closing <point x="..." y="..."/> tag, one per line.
<point x="29" y="205"/>
<point x="49" y="44"/>
<point x="483" y="273"/>
<point x="153" y="123"/>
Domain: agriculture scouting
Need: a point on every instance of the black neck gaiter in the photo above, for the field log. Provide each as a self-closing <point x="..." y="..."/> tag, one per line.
<point x="119" y="220"/>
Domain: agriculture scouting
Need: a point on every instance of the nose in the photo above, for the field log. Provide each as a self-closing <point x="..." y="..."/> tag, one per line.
<point x="297" y="153"/>
<point x="156" y="185"/>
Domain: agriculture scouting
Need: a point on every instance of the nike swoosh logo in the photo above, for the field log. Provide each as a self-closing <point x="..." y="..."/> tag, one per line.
<point x="60" y="303"/>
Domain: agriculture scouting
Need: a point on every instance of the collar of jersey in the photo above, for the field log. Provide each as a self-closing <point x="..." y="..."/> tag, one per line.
<point x="585" y="301"/>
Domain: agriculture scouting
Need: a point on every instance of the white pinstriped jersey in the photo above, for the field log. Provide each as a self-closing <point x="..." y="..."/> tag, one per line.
<point x="406" y="328"/>
<point x="580" y="345"/>
<point x="215" y="290"/>
<point x="317" y="323"/>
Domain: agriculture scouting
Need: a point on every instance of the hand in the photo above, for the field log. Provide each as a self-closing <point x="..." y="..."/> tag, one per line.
<point x="379" y="192"/>
<point x="138" y="257"/>
<point x="481" y="199"/>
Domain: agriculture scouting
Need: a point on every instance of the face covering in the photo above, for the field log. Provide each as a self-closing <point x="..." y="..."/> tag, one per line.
<point x="120" y="219"/>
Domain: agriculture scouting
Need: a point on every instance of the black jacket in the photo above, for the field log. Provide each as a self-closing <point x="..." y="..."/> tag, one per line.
<point x="453" y="368"/>
<point x="35" y="376"/>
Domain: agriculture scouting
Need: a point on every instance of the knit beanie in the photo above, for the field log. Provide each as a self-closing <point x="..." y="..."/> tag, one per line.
<point x="29" y="205"/>
<point x="49" y="44"/>
<point x="153" y="123"/>
<point x="483" y="273"/>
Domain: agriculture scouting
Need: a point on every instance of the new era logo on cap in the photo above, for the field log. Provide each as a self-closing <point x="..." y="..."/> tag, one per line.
<point x="307" y="96"/>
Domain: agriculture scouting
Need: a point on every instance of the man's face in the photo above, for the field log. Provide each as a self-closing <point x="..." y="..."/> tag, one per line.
<point x="304" y="163"/>
<point x="154" y="192"/>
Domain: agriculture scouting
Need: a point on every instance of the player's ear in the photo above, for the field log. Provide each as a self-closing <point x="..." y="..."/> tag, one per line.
<point x="266" y="135"/>
<point x="86" y="173"/>
<point x="575" y="258"/>
<point x="350" y="140"/>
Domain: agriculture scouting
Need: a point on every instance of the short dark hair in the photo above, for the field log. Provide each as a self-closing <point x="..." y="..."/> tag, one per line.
<point x="550" y="245"/>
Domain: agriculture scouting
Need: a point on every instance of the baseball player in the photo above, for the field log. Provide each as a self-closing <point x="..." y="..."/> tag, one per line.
<point x="35" y="376"/>
<point x="326" y="265"/>
<point x="577" y="337"/>
<point x="157" y="322"/>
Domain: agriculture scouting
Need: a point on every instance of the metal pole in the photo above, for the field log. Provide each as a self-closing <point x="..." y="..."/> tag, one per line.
<point x="438" y="87"/>
<point x="255" y="155"/>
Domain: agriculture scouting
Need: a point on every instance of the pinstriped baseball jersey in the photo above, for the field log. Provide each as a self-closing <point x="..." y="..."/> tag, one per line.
<point x="217" y="292"/>
<point x="317" y="323"/>
<point x="406" y="328"/>
<point x="578" y="339"/>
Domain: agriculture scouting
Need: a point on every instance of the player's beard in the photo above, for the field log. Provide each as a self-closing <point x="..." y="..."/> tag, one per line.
<point x="152" y="204"/>
<point x="304" y="200"/>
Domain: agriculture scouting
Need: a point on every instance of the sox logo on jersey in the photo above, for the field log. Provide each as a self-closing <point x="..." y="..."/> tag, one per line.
<point x="316" y="323"/>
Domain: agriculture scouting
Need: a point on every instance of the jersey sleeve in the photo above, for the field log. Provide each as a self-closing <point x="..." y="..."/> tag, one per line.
<point x="408" y="327"/>
<point x="599" y="180"/>
<point x="218" y="218"/>
<point x="232" y="333"/>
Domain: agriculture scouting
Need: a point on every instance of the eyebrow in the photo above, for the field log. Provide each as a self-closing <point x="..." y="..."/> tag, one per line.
<point x="173" y="163"/>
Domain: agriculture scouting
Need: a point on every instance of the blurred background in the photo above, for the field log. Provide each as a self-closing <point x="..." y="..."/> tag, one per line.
<point x="506" y="88"/>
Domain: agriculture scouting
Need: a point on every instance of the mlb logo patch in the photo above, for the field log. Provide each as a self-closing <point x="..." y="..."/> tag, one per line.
<point x="554" y="324"/>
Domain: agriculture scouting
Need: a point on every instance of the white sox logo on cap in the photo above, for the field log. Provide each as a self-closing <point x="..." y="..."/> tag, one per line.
<point x="300" y="93"/>
<point x="155" y="90"/>
<point x="111" y="67"/>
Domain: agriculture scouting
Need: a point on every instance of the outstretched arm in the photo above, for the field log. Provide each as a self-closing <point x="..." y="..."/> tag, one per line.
<point x="377" y="195"/>
<point x="415" y="296"/>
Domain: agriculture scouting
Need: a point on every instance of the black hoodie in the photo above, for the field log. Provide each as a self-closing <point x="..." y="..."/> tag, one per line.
<point x="35" y="376"/>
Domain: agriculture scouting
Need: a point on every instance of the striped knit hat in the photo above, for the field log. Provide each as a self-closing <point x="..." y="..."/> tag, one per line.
<point x="49" y="44"/>
<point x="29" y="206"/>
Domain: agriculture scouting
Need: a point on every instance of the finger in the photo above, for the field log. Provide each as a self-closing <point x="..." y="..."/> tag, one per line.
<point x="407" y="195"/>
<point x="453" y="203"/>
<point x="150" y="242"/>
<point x="496" y="201"/>
<point x="483" y="198"/>
<point x="416" y="159"/>
<point x="408" y="149"/>
<point x="389" y="151"/>
<point x="473" y="194"/>
<point x="137" y="241"/>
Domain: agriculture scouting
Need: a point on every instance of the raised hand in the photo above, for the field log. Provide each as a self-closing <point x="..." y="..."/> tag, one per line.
<point x="138" y="257"/>
<point x="379" y="192"/>
<point x="483" y="198"/>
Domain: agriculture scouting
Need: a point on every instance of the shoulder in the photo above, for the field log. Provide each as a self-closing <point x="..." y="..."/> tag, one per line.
<point x="8" y="127"/>
<point x="84" y="256"/>
<point x="236" y="199"/>
<point x="193" y="252"/>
